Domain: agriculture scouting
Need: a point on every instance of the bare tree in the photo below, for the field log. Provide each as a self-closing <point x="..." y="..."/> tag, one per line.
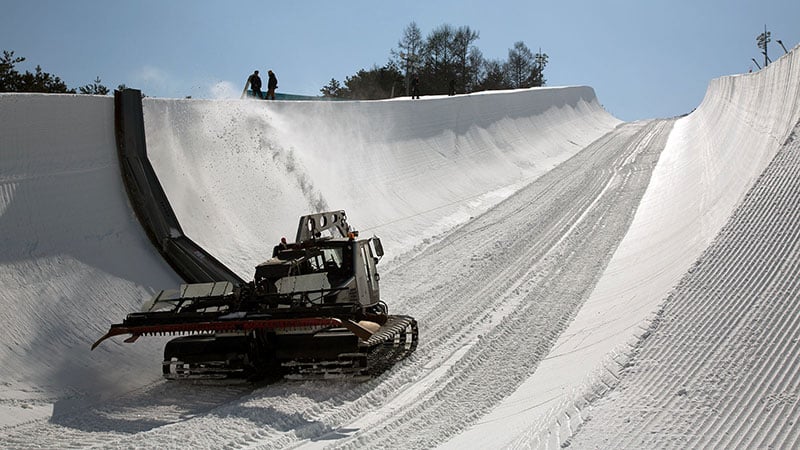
<point x="466" y="56"/>
<point x="520" y="64"/>
<point x="408" y="55"/>
<point x="446" y="59"/>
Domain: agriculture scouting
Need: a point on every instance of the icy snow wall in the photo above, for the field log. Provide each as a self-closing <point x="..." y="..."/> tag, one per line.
<point x="73" y="258"/>
<point x="712" y="158"/>
<point x="239" y="174"/>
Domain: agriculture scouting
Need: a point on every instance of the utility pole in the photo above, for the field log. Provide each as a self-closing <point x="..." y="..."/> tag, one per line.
<point x="763" y="39"/>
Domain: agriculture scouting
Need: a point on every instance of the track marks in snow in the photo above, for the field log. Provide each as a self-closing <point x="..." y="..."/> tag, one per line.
<point x="115" y="423"/>
<point x="719" y="368"/>
<point x="491" y="299"/>
<point x="519" y="294"/>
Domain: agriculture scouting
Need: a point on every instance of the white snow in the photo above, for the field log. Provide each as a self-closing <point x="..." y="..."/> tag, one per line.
<point x="512" y="222"/>
<point x="74" y="258"/>
<point x="711" y="159"/>
<point x="239" y="174"/>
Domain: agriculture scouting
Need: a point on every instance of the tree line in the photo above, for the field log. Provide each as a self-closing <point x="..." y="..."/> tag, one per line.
<point x="11" y="80"/>
<point x="447" y="58"/>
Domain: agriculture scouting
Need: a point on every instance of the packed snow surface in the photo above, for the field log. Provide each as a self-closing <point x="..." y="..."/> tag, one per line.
<point x="577" y="280"/>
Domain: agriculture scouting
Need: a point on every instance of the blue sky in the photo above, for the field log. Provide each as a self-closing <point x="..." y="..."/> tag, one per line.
<point x="644" y="58"/>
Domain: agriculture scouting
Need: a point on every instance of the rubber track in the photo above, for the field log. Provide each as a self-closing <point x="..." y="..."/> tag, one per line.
<point x="393" y="342"/>
<point x="396" y="340"/>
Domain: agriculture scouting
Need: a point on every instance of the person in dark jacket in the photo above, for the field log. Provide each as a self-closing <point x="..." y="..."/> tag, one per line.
<point x="255" y="84"/>
<point x="272" y="84"/>
<point x="415" y="87"/>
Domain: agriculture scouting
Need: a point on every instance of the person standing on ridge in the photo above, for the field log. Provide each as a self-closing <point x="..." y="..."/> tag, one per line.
<point x="272" y="84"/>
<point x="255" y="84"/>
<point x="415" y="87"/>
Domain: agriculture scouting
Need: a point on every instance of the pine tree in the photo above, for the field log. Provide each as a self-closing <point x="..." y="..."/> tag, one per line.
<point x="39" y="81"/>
<point x="537" y="76"/>
<point x="95" y="88"/>
<point x="377" y="83"/>
<point x="9" y="78"/>
<point x="495" y="76"/>
<point x="333" y="89"/>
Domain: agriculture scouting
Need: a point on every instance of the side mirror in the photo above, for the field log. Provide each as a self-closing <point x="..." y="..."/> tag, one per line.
<point x="376" y="244"/>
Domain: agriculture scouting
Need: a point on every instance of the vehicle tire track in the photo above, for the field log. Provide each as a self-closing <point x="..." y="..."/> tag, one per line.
<point x="720" y="366"/>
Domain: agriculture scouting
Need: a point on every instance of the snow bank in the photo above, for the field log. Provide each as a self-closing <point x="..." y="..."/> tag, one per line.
<point x="712" y="158"/>
<point x="73" y="259"/>
<point x="239" y="174"/>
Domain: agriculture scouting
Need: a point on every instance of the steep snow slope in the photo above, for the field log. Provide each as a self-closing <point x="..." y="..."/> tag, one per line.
<point x="720" y="361"/>
<point x="719" y="364"/>
<point x="73" y="258"/>
<point x="240" y="173"/>
<point x="712" y="158"/>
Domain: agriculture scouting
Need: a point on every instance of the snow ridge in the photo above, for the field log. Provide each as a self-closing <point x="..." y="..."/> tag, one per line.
<point x="712" y="158"/>
<point x="719" y="365"/>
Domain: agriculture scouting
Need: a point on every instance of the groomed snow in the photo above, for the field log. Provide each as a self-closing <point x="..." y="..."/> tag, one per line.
<point x="711" y="159"/>
<point x="239" y="174"/>
<point x="532" y="234"/>
<point x="73" y="258"/>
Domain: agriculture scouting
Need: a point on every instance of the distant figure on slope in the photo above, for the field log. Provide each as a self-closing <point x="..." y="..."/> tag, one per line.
<point x="255" y="84"/>
<point x="415" y="87"/>
<point x="272" y="84"/>
<point x="452" y="90"/>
